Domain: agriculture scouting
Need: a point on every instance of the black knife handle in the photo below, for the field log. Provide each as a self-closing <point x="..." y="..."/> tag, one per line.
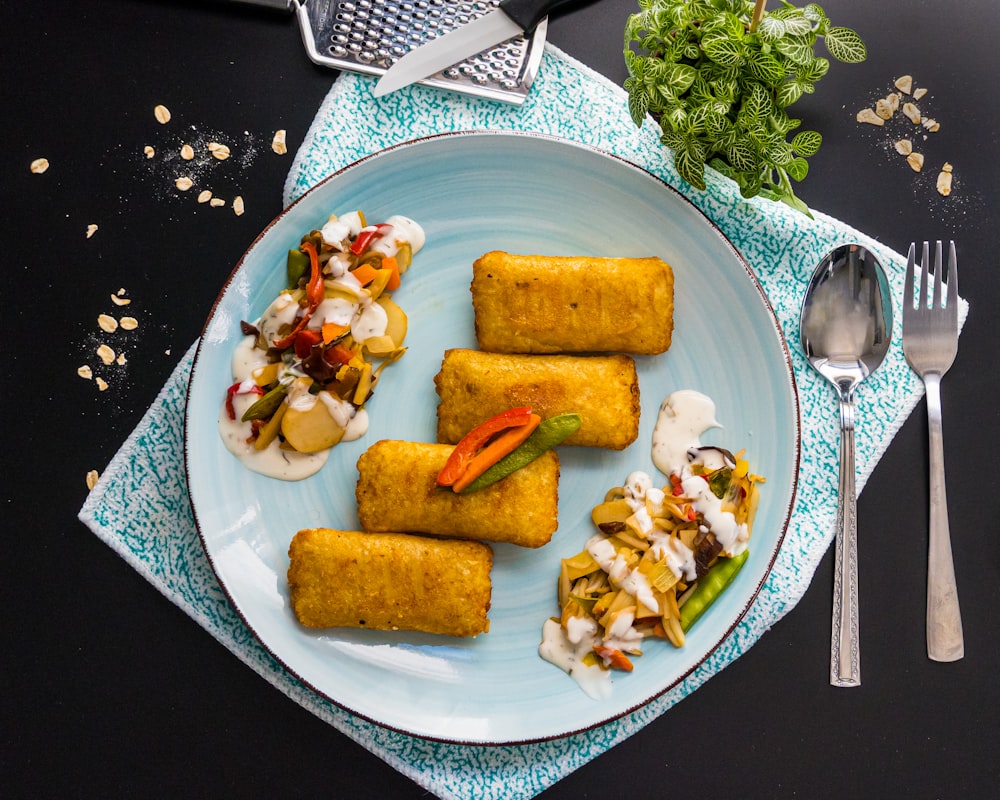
<point x="528" y="13"/>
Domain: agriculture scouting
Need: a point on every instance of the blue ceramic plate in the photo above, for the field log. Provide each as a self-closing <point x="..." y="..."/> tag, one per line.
<point x="474" y="193"/>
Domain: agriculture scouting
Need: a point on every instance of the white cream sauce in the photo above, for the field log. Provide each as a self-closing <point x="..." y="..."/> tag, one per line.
<point x="557" y="648"/>
<point x="684" y="416"/>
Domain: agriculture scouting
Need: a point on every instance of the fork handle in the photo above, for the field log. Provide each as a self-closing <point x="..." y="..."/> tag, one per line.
<point x="845" y="645"/>
<point x="944" y="619"/>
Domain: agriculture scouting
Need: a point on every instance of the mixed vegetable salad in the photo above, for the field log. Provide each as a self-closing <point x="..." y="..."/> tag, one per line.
<point x="307" y="367"/>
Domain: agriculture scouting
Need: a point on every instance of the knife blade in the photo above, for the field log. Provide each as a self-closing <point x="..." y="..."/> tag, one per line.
<point x="511" y="18"/>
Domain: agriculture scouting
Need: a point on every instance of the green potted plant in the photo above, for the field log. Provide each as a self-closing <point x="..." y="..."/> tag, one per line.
<point x="718" y="77"/>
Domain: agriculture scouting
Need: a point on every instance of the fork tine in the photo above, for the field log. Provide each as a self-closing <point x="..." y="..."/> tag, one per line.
<point x="952" y="282"/>
<point x="925" y="263"/>
<point x="908" y="285"/>
<point x="938" y="276"/>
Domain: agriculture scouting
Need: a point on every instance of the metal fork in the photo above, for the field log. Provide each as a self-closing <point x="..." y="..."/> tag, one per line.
<point x="930" y="342"/>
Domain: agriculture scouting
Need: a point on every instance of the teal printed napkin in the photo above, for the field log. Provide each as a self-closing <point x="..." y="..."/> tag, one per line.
<point x="141" y="508"/>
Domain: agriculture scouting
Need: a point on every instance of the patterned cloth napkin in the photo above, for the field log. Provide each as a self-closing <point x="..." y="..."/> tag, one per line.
<point x="141" y="509"/>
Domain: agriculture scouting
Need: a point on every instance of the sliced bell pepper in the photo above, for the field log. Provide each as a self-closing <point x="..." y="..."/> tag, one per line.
<point x="305" y="340"/>
<point x="502" y="445"/>
<point x="236" y="389"/>
<point x="314" y="289"/>
<point x="369" y="235"/>
<point x="476" y="439"/>
<point x="615" y="657"/>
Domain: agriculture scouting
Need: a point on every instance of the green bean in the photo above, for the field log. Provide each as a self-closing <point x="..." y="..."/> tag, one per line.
<point x="297" y="266"/>
<point x="710" y="585"/>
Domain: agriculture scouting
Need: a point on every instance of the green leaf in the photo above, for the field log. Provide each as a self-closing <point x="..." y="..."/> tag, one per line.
<point x="680" y="77"/>
<point x="690" y="168"/>
<point x="788" y="93"/>
<point x="845" y="45"/>
<point x="798" y="169"/>
<point x="743" y="156"/>
<point x="806" y="143"/>
<point x="813" y="71"/>
<point x="796" y="48"/>
<point x="765" y="68"/>
<point x="638" y="105"/>
<point x="797" y="25"/>
<point x="723" y="50"/>
<point x="771" y="28"/>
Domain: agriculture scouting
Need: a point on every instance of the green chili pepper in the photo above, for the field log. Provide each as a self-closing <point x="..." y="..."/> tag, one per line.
<point x="549" y="433"/>
<point x="710" y="585"/>
<point x="267" y="405"/>
<point x="298" y="266"/>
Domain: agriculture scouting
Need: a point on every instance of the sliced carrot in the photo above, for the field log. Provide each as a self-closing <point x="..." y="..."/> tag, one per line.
<point x="502" y="445"/>
<point x="616" y="657"/>
<point x="331" y="330"/>
<point x="390" y="263"/>
<point x="365" y="273"/>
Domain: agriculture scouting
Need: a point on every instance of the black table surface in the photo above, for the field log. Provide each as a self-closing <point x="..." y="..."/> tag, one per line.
<point x="110" y="690"/>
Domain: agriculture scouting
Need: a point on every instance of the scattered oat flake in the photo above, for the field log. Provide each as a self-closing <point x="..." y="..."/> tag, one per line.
<point x="39" y="165"/>
<point x="904" y="147"/>
<point x="944" y="180"/>
<point x="149" y="151"/>
<point x="187" y="152"/>
<point x="204" y="196"/>
<point x="129" y="323"/>
<point x="85" y="372"/>
<point x="219" y="151"/>
<point x="107" y="323"/>
<point x="884" y="109"/>
<point x="91" y="230"/>
<point x="184" y="183"/>
<point x="278" y="142"/>
<point x="918" y="93"/>
<point x="93" y="476"/>
<point x="905" y="84"/>
<point x="162" y="114"/>
<point x="120" y="361"/>
<point x="238" y="206"/>
<point x="869" y="116"/>
<point x="912" y="113"/>
<point x="120" y="301"/>
<point x="106" y="354"/>
<point x="216" y="202"/>
<point x="916" y="161"/>
<point x="930" y="124"/>
<point x="101" y="384"/>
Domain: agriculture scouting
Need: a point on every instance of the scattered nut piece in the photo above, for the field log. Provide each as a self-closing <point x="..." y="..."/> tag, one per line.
<point x="183" y="183"/>
<point x="129" y="323"/>
<point x="869" y="116"/>
<point x="93" y="476"/>
<point x="108" y="323"/>
<point x="120" y="301"/>
<point x="101" y="384"/>
<point x="219" y="151"/>
<point x="162" y="114"/>
<point x="216" y="202"/>
<point x="883" y="108"/>
<point x="905" y="84"/>
<point x="278" y="143"/>
<point x="904" y="147"/>
<point x="944" y="180"/>
<point x="238" y="206"/>
<point x="204" y="196"/>
<point x="106" y="354"/>
<point x="187" y="152"/>
<point x="85" y="372"/>
<point x="916" y="161"/>
<point x="149" y="151"/>
<point x="91" y="230"/>
<point x="39" y="165"/>
<point x="912" y="113"/>
<point x="918" y="93"/>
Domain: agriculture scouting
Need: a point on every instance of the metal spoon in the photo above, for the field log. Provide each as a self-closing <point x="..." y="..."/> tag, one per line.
<point x="846" y="326"/>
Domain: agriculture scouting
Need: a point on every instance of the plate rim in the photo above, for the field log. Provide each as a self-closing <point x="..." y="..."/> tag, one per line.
<point x="791" y="384"/>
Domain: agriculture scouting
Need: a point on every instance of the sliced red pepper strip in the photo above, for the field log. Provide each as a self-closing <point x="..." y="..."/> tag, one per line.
<point x="476" y="439"/>
<point x="289" y="340"/>
<point x="234" y="390"/>
<point x="305" y="340"/>
<point x="369" y="235"/>
<point x="503" y="444"/>
<point x="314" y="289"/>
<point x="337" y="354"/>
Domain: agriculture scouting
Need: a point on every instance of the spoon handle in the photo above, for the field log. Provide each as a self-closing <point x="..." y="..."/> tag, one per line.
<point x="845" y="657"/>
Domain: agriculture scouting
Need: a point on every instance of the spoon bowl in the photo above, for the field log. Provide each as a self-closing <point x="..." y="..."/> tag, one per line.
<point x="846" y="327"/>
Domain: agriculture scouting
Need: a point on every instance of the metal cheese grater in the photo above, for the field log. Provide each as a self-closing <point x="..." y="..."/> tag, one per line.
<point x="368" y="36"/>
